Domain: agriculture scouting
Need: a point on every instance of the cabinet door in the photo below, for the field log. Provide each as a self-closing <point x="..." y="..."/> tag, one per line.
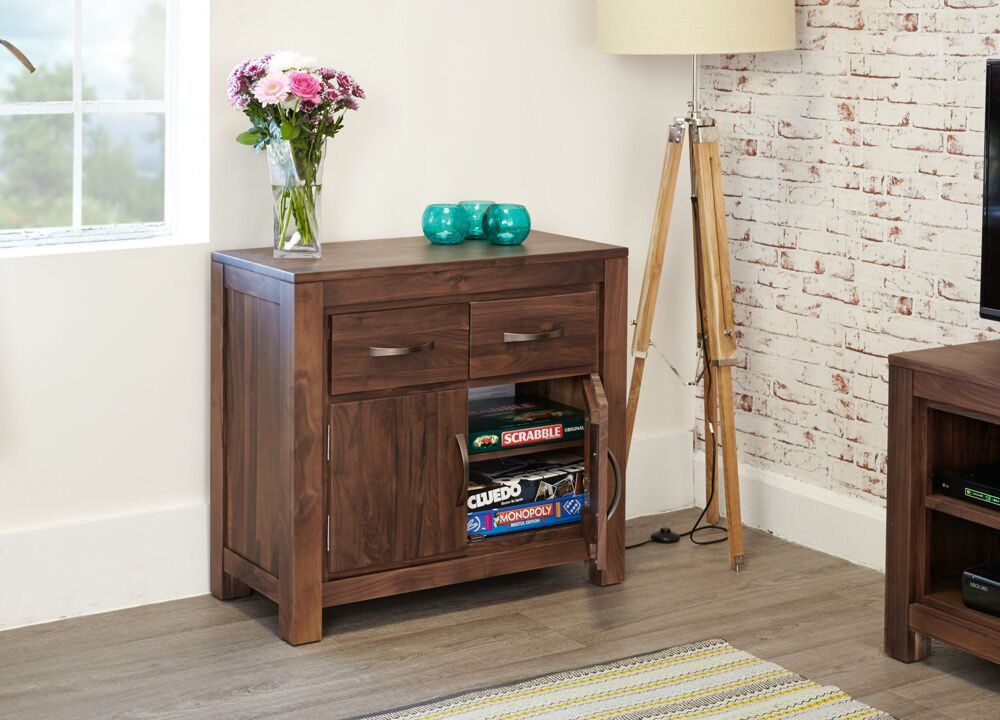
<point x="397" y="482"/>
<point x="595" y="444"/>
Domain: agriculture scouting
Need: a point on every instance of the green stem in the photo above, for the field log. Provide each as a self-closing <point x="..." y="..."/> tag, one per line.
<point x="285" y="217"/>
<point x="297" y="203"/>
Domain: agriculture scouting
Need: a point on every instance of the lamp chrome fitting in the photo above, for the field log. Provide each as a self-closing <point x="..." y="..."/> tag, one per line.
<point x="706" y="133"/>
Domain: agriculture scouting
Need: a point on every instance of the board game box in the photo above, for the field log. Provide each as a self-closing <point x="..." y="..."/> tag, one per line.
<point x="525" y="492"/>
<point x="526" y="517"/>
<point x="508" y="422"/>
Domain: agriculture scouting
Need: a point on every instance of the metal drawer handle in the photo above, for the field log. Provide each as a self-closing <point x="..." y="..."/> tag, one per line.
<point x="528" y="337"/>
<point x="392" y="351"/>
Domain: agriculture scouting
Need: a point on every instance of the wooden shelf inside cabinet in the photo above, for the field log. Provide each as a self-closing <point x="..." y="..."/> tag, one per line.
<point x="965" y="511"/>
<point x="340" y="408"/>
<point x="526" y="539"/>
<point x="513" y="452"/>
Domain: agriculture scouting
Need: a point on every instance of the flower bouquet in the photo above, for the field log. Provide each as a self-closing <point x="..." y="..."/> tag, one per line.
<point x="294" y="106"/>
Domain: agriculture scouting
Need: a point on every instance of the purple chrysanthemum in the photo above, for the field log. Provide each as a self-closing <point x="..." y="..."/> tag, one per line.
<point x="242" y="79"/>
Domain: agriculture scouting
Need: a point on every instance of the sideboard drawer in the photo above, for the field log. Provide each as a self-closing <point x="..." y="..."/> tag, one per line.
<point x="396" y="348"/>
<point x="534" y="334"/>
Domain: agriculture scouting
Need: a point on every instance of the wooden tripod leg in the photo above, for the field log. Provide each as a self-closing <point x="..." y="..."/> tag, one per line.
<point x="635" y="385"/>
<point x="654" y="269"/>
<point x="725" y="376"/>
<point x="727" y="429"/>
<point x="708" y="387"/>
<point x="720" y="330"/>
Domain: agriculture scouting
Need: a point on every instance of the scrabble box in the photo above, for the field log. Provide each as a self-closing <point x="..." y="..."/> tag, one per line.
<point x="508" y="422"/>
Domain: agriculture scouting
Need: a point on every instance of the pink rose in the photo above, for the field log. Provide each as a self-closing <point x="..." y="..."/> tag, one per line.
<point x="304" y="86"/>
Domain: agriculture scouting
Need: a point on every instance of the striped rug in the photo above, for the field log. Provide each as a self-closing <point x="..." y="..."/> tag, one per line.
<point x="708" y="680"/>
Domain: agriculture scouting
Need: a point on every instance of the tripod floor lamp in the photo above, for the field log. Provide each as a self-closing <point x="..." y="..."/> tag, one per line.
<point x="697" y="27"/>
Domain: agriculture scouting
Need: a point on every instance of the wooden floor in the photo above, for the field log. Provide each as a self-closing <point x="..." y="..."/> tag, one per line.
<point x="199" y="658"/>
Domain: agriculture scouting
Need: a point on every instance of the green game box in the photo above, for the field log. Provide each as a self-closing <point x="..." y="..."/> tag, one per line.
<point x="507" y="422"/>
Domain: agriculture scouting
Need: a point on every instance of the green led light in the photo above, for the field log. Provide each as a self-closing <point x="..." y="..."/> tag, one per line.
<point x="984" y="497"/>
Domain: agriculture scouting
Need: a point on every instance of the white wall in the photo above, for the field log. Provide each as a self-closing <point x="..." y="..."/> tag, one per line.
<point x="103" y="356"/>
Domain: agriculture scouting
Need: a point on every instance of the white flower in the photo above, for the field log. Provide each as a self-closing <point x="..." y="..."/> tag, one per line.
<point x="290" y="60"/>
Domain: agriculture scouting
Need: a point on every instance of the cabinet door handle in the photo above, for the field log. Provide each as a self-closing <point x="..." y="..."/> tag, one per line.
<point x="617" y="497"/>
<point x="509" y="337"/>
<point x="463" y="449"/>
<point x="375" y="351"/>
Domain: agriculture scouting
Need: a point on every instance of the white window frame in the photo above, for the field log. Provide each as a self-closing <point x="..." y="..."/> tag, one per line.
<point x="13" y="242"/>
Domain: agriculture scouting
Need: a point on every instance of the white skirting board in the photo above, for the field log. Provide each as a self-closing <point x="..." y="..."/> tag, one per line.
<point x="105" y="564"/>
<point x="817" y="518"/>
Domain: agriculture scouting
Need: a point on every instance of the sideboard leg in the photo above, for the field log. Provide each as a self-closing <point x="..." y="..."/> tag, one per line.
<point x="301" y="552"/>
<point x="298" y="623"/>
<point x="226" y="587"/>
<point x="222" y="585"/>
<point x="906" y="538"/>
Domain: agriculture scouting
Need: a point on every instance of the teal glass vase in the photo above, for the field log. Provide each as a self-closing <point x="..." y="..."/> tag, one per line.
<point x="477" y="215"/>
<point x="445" y="224"/>
<point x="507" y="224"/>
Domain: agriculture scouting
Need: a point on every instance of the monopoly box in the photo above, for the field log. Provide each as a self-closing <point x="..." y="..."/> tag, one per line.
<point x="508" y="422"/>
<point x="526" y="517"/>
<point x="525" y="492"/>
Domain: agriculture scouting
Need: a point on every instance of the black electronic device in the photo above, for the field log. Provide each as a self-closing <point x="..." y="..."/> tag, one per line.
<point x="981" y="587"/>
<point x="979" y="485"/>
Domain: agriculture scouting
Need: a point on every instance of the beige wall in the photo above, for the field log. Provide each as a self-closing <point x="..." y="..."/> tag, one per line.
<point x="103" y="355"/>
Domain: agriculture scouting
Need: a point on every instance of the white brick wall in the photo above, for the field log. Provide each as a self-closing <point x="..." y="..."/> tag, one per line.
<point x="854" y="182"/>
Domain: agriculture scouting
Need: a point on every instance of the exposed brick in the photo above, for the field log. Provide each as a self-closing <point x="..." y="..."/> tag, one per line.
<point x="853" y="178"/>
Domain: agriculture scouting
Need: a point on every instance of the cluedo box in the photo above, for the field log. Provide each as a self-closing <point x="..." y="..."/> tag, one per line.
<point x="508" y="422"/>
<point x="525" y="493"/>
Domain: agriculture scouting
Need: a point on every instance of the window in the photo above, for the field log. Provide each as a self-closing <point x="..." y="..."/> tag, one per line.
<point x="84" y="141"/>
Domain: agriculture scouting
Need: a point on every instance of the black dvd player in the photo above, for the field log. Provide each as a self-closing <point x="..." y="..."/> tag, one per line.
<point x="981" y="588"/>
<point x="979" y="485"/>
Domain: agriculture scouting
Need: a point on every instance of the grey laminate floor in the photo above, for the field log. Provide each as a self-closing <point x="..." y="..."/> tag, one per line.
<point x="199" y="658"/>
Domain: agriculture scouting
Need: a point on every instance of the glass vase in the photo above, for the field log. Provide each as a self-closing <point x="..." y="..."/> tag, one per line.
<point x="296" y="186"/>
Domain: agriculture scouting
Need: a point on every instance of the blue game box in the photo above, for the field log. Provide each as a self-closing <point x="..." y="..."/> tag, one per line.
<point x="531" y="516"/>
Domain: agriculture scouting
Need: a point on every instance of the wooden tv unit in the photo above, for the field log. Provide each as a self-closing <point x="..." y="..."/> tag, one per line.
<point x="944" y="412"/>
<point x="339" y="404"/>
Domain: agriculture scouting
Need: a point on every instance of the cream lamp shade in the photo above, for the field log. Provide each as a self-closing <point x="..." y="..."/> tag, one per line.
<point x="694" y="27"/>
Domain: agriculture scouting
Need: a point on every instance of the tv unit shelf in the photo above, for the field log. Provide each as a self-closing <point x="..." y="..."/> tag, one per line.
<point x="965" y="511"/>
<point x="340" y="401"/>
<point x="944" y="413"/>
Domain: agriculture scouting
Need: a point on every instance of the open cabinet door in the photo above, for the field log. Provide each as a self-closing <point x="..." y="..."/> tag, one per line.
<point x="595" y="444"/>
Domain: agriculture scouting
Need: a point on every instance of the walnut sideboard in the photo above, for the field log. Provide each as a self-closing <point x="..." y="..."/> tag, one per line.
<point x="339" y="406"/>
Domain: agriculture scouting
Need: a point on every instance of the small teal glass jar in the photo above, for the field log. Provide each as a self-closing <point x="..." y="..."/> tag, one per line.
<point x="507" y="224"/>
<point x="445" y="224"/>
<point x="477" y="215"/>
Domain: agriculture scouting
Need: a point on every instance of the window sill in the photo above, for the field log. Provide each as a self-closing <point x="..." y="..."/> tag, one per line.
<point x="75" y="245"/>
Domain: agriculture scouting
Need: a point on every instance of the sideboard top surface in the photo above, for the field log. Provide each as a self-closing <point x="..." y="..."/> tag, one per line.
<point x="367" y="258"/>
<point x="976" y="363"/>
